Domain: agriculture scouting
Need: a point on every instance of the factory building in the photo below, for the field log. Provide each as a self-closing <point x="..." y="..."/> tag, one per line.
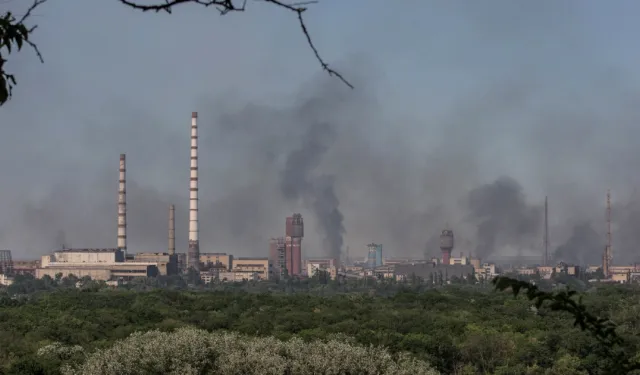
<point x="6" y="262"/>
<point x="371" y="256"/>
<point x="256" y="268"/>
<point x="5" y="280"/>
<point x="313" y="268"/>
<point x="374" y="255"/>
<point x="25" y="267"/>
<point x="294" y="231"/>
<point x="167" y="264"/>
<point x="433" y="272"/>
<point x="221" y="260"/>
<point x="99" y="264"/>
<point x="277" y="256"/>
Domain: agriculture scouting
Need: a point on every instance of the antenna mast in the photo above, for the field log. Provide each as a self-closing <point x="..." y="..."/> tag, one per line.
<point x="608" y="251"/>
<point x="546" y="231"/>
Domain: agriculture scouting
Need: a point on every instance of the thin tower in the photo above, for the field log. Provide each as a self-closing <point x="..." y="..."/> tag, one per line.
<point x="122" y="206"/>
<point x="608" y="251"/>
<point x="193" y="255"/>
<point x="546" y="231"/>
<point x="172" y="230"/>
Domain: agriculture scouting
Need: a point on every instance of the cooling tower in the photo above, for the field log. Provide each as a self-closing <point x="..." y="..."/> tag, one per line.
<point x="193" y="255"/>
<point x="122" y="207"/>
<point x="172" y="230"/>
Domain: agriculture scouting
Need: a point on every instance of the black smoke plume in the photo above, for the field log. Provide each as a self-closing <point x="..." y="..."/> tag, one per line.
<point x="316" y="191"/>
<point x="584" y="246"/>
<point x="503" y="216"/>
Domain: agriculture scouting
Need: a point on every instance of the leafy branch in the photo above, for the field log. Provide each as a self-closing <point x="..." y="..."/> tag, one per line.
<point x="604" y="330"/>
<point x="14" y="35"/>
<point x="227" y="6"/>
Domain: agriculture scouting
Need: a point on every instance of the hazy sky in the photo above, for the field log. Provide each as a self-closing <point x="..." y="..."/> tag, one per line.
<point x="449" y="95"/>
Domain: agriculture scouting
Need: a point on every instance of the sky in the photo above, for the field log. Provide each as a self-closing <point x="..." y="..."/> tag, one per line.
<point x="465" y="115"/>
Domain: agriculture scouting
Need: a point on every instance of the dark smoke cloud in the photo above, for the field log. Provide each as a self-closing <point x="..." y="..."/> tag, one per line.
<point x="504" y="217"/>
<point x="401" y="152"/>
<point x="585" y="246"/>
<point x="316" y="191"/>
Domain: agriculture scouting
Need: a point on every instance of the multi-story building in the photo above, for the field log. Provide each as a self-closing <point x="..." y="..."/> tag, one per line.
<point x="486" y="271"/>
<point x="167" y="264"/>
<point x="432" y="272"/>
<point x="5" y="280"/>
<point x="294" y="231"/>
<point x="25" y="267"/>
<point x="214" y="259"/>
<point x="277" y="256"/>
<point x="6" y="262"/>
<point x="313" y="268"/>
<point x="99" y="264"/>
<point x="260" y="268"/>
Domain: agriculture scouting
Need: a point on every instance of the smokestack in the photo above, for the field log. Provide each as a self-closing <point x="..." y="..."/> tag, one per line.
<point x="122" y="206"/>
<point x="193" y="255"/>
<point x="172" y="230"/>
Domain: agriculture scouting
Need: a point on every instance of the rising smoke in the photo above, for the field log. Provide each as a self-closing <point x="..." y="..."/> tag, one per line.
<point x="316" y="191"/>
<point x="503" y="216"/>
<point x="390" y="162"/>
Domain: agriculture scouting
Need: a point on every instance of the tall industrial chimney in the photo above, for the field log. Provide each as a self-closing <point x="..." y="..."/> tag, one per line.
<point x="172" y="229"/>
<point x="122" y="207"/>
<point x="193" y="255"/>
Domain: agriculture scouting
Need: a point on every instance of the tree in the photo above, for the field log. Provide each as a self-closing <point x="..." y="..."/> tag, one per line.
<point x="14" y="34"/>
<point x="604" y="330"/>
<point x="227" y="6"/>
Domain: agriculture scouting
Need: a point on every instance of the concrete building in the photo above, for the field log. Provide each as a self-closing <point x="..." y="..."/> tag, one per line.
<point x="460" y="261"/>
<point x="83" y="256"/>
<point x="6" y="262"/>
<point x="313" y="268"/>
<point x="238" y="276"/>
<point x="209" y="260"/>
<point x="371" y="255"/>
<point x="384" y="272"/>
<point x="277" y="255"/>
<point x="99" y="264"/>
<point x="182" y="261"/>
<point x="167" y="264"/>
<point x="5" y="280"/>
<point x="430" y="271"/>
<point x="25" y="267"/>
<point x="96" y="271"/>
<point x="294" y="232"/>
<point x="486" y="271"/>
<point x="259" y="268"/>
<point x="394" y="261"/>
<point x="324" y="262"/>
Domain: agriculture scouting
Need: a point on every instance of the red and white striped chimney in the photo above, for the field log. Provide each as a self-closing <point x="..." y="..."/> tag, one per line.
<point x="122" y="206"/>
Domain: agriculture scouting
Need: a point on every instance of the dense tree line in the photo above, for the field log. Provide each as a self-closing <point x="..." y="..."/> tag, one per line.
<point x="457" y="329"/>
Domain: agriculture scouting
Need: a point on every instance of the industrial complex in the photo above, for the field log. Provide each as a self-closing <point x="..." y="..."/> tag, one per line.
<point x="284" y="258"/>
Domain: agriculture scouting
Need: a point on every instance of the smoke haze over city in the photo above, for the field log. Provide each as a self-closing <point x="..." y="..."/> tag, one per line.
<point x="464" y="115"/>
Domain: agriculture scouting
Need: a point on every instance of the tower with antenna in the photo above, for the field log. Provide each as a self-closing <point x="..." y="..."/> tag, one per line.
<point x="608" y="250"/>
<point x="546" y="232"/>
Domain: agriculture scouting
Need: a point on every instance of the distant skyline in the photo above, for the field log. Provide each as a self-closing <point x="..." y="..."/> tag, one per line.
<point x="450" y="95"/>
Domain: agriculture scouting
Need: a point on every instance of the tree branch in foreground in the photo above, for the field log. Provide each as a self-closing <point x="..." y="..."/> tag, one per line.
<point x="226" y="6"/>
<point x="14" y="34"/>
<point x="604" y="330"/>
